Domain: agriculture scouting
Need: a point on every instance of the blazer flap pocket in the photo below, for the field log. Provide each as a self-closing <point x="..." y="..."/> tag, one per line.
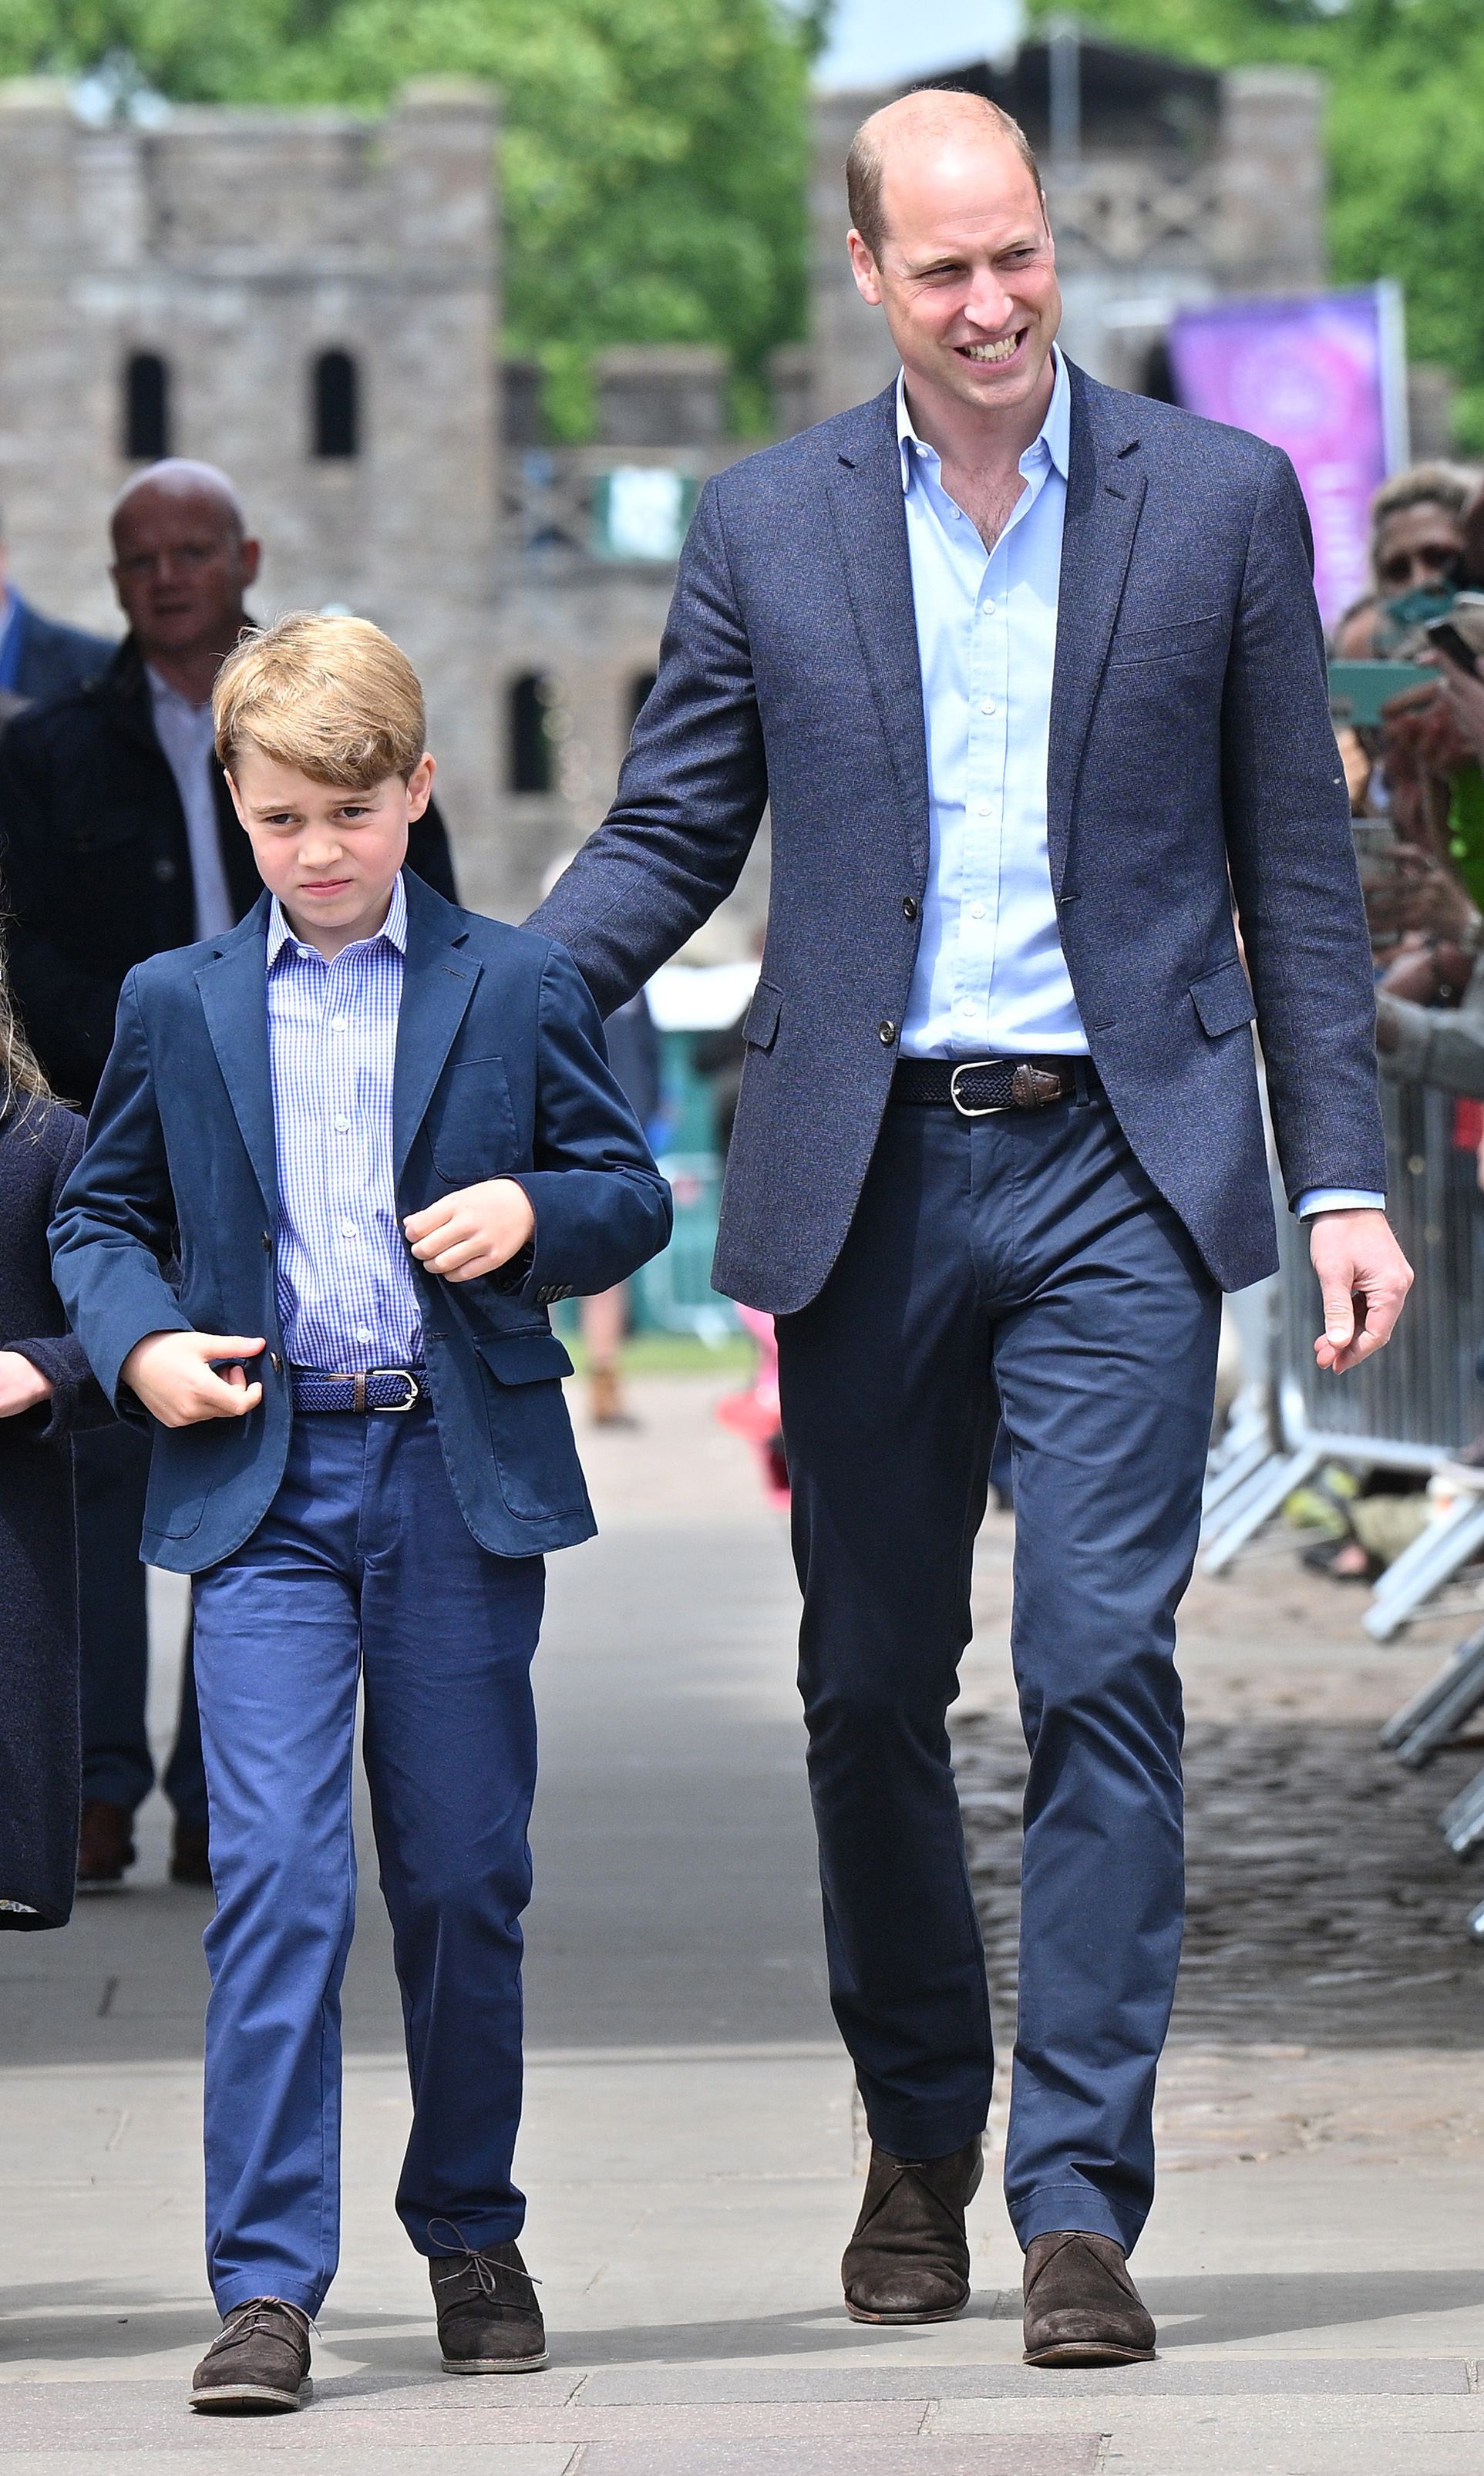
<point x="524" y="1357"/>
<point x="1160" y="643"/>
<point x="759" y="1029"/>
<point x="1223" y="999"/>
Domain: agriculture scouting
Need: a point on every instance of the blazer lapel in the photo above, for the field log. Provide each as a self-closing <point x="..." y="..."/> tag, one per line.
<point x="233" y="999"/>
<point x="1105" y="490"/>
<point x="438" y="980"/>
<point x="871" y="531"/>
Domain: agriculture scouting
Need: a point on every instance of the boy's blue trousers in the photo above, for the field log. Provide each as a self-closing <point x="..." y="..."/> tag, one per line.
<point x="362" y="1567"/>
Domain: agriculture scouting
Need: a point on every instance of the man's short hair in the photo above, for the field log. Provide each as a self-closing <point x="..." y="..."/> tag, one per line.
<point x="334" y="698"/>
<point x="865" y="164"/>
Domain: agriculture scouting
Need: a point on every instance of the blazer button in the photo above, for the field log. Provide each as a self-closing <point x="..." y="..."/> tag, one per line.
<point x="274" y="1362"/>
<point x="265" y="1242"/>
<point x="887" y="1033"/>
<point x="909" y="906"/>
<point x="165" y="871"/>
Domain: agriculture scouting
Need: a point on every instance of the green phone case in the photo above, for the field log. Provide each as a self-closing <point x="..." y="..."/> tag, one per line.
<point x="1358" y="690"/>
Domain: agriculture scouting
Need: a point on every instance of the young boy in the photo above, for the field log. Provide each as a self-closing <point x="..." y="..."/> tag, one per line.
<point x="342" y="1160"/>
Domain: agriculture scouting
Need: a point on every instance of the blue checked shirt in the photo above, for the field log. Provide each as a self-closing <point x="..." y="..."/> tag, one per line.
<point x="346" y="1296"/>
<point x="991" y="979"/>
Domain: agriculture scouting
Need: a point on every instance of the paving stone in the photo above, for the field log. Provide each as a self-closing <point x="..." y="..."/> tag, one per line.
<point x="1230" y="2376"/>
<point x="1006" y="2454"/>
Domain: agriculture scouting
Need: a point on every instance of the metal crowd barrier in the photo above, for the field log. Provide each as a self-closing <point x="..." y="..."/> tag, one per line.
<point x="1412" y="1408"/>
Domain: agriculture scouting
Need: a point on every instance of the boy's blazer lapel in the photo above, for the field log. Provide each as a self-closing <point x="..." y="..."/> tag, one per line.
<point x="439" y="979"/>
<point x="234" y="1002"/>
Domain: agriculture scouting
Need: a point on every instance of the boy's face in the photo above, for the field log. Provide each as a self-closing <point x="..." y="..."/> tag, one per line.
<point x="331" y="855"/>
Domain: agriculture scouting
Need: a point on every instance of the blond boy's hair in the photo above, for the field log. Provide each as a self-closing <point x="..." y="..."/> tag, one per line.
<point x="333" y="698"/>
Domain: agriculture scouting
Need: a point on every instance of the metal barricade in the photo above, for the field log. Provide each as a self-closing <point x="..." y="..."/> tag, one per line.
<point x="1418" y="1403"/>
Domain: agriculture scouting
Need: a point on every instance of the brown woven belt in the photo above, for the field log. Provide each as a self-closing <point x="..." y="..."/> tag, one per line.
<point x="980" y="1087"/>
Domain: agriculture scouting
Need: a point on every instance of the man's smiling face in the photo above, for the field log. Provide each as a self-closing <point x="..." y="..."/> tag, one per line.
<point x="966" y="272"/>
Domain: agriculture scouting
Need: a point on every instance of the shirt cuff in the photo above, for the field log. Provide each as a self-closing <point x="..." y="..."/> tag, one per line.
<point x="1336" y="1199"/>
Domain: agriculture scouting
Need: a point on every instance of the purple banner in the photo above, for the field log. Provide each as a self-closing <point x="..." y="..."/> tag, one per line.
<point x="1324" y="379"/>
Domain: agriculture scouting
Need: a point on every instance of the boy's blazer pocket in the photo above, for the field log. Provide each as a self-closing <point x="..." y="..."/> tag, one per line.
<point x="471" y="1123"/>
<point x="523" y="1357"/>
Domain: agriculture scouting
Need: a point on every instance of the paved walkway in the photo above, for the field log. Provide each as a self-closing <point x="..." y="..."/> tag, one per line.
<point x="1315" y="2258"/>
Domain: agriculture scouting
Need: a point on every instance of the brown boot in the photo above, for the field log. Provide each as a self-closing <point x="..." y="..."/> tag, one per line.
<point x="1082" y="2306"/>
<point x="260" y="2364"/>
<point x="604" y="1401"/>
<point x="908" y="2258"/>
<point x="105" y="1844"/>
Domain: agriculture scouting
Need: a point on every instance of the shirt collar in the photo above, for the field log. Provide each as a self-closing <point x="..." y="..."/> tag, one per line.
<point x="394" y="927"/>
<point x="163" y="693"/>
<point x="1054" y="438"/>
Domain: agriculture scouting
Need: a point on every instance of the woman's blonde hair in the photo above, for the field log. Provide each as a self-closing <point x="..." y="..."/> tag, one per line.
<point x="334" y="698"/>
<point x="22" y="1080"/>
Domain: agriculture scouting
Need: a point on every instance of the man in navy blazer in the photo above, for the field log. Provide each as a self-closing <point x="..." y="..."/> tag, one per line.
<point x="1029" y="673"/>
<point x="42" y="658"/>
<point x="342" y="1160"/>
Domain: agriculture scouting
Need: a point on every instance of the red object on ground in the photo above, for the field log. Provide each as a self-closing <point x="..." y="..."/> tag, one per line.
<point x="755" y="1413"/>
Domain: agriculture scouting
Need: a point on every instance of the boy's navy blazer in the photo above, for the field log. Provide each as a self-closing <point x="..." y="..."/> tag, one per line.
<point x="168" y="1220"/>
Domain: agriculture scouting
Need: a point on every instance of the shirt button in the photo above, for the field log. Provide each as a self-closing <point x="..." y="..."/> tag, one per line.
<point x="364" y="1332"/>
<point x="975" y="910"/>
<point x="338" y="1024"/>
<point x="988" y="705"/>
<point x="347" y="1228"/>
<point x="984" y="809"/>
<point x="342" y="1126"/>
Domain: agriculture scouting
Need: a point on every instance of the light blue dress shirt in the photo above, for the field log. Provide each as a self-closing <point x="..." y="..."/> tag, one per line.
<point x="991" y="979"/>
<point x="346" y="1295"/>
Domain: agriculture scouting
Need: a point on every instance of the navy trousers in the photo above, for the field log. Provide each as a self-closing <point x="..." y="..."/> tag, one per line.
<point x="363" y="1569"/>
<point x="1019" y="1265"/>
<point x="112" y="1466"/>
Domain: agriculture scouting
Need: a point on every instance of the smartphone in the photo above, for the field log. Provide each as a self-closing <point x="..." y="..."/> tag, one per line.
<point x="1358" y="690"/>
<point x="1442" y="634"/>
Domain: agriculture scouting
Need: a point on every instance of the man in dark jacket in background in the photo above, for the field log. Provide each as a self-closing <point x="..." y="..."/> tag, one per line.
<point x="118" y="839"/>
<point x="39" y="657"/>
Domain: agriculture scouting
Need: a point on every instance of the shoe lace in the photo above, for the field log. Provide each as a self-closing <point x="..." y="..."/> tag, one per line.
<point x="471" y="2263"/>
<point x="244" y="2320"/>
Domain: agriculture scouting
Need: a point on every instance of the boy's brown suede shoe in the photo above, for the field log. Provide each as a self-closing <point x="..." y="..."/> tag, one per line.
<point x="1082" y="2306"/>
<point x="908" y="2258"/>
<point x="488" y="2318"/>
<point x="104" y="1844"/>
<point x="260" y="2364"/>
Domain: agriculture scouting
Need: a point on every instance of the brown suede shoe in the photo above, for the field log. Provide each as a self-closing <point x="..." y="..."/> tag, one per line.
<point x="908" y="2258"/>
<point x="260" y="2364"/>
<point x="105" y="1844"/>
<point x="488" y="2318"/>
<point x="1082" y="2306"/>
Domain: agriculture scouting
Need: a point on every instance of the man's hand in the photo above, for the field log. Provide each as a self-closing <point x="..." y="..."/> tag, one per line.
<point x="21" y="1385"/>
<point x="474" y="1230"/>
<point x="172" y="1374"/>
<point x="1363" y="1276"/>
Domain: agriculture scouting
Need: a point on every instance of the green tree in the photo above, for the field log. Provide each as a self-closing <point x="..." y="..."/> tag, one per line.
<point x="653" y="159"/>
<point x="1405" y="142"/>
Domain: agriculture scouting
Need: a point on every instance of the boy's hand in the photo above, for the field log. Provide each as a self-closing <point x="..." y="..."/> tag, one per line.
<point x="173" y="1377"/>
<point x="474" y="1230"/>
<point x="21" y="1385"/>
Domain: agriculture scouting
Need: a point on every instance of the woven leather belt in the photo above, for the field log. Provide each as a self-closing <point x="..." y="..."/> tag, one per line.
<point x="373" y="1388"/>
<point x="980" y="1087"/>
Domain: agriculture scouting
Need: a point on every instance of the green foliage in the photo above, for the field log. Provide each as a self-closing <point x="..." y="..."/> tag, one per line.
<point x="654" y="152"/>
<point x="1405" y="142"/>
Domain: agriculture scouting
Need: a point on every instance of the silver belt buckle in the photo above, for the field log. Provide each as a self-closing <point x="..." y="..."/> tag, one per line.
<point x="968" y="1066"/>
<point x="393" y="1409"/>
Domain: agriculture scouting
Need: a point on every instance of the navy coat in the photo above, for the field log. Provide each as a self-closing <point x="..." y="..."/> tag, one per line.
<point x="1191" y="758"/>
<point x="38" y="1671"/>
<point x="167" y="1223"/>
<point x="49" y="657"/>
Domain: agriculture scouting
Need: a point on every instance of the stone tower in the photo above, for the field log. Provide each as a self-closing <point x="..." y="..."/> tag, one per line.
<point x="307" y="300"/>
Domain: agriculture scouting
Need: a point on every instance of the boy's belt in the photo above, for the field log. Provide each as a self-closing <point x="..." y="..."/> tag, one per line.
<point x="981" y="1088"/>
<point x="372" y="1387"/>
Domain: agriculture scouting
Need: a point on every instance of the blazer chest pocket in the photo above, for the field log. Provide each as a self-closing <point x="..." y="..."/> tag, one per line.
<point x="1194" y="640"/>
<point x="1223" y="999"/>
<point x="760" y="1027"/>
<point x="471" y="1123"/>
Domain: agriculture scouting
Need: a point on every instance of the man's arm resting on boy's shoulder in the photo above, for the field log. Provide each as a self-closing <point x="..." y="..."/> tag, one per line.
<point x="593" y="1208"/>
<point x="115" y="1217"/>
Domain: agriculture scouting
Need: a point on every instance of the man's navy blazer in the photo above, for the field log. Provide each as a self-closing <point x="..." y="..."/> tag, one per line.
<point x="1191" y="765"/>
<point x="167" y="1221"/>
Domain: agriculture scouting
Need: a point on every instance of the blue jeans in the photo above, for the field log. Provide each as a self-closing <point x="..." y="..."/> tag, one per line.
<point x="1021" y="1265"/>
<point x="363" y="1569"/>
